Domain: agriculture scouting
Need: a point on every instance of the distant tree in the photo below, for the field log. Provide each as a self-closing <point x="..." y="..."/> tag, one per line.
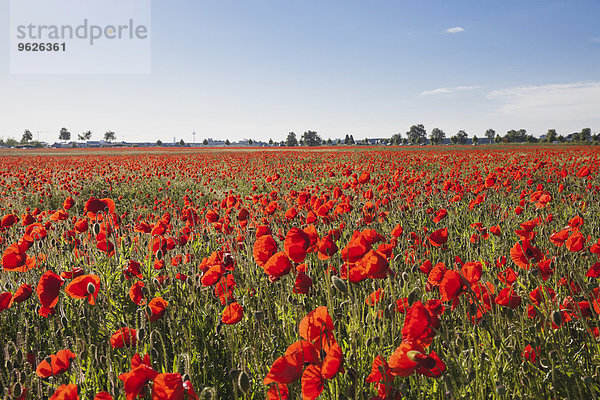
<point x="460" y="137"/>
<point x="311" y="138"/>
<point x="227" y="142"/>
<point x="85" y="136"/>
<point x="159" y="142"/>
<point x="514" y="136"/>
<point x="64" y="134"/>
<point x="417" y="134"/>
<point x="454" y="139"/>
<point x="405" y="141"/>
<point x="497" y="139"/>
<point x="109" y="136"/>
<point x="531" y="139"/>
<point x="562" y="139"/>
<point x="551" y="136"/>
<point x="351" y="140"/>
<point x="205" y="142"/>
<point x="437" y="136"/>
<point x="271" y="142"/>
<point x="396" y="139"/>
<point x="491" y="135"/>
<point x="329" y="142"/>
<point x="585" y="135"/>
<point x="282" y="143"/>
<point x="250" y="142"/>
<point x="323" y="142"/>
<point x="182" y="143"/>
<point x="347" y="139"/>
<point x="27" y="136"/>
<point x="291" y="140"/>
<point x="475" y="139"/>
<point x="10" y="142"/>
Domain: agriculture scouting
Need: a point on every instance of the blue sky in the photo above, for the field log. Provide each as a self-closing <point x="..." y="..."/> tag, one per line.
<point x="260" y="69"/>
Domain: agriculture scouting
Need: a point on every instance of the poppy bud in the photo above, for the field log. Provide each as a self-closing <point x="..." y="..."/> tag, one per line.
<point x="412" y="297"/>
<point x="96" y="228"/>
<point x="19" y="356"/>
<point x="259" y="315"/>
<point x="234" y="374"/>
<point x="186" y="377"/>
<point x="17" y="391"/>
<point x="22" y="377"/>
<point x="142" y="334"/>
<point x="91" y="288"/>
<point x="148" y="311"/>
<point x="557" y="317"/>
<point x="159" y="254"/>
<point x="64" y="321"/>
<point x="154" y="353"/>
<point x="244" y="382"/>
<point x="8" y="364"/>
<point x="339" y="284"/>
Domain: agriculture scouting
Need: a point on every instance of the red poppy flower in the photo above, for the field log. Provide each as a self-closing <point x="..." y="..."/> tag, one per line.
<point x="594" y="271"/>
<point x="264" y="248"/>
<point x="356" y="248"/>
<point x="575" y="242"/>
<point x="6" y="300"/>
<point x="136" y="294"/>
<point x="14" y="258"/>
<point x="84" y="286"/>
<point x="157" y="307"/>
<point x="94" y="206"/>
<point x="23" y="293"/>
<point x="212" y="275"/>
<point x="58" y="364"/>
<point x="371" y="265"/>
<point x="9" y="220"/>
<point x="285" y="369"/>
<point x="124" y="337"/>
<point x="420" y="324"/>
<point x="312" y="382"/>
<point x="278" y="391"/>
<point x="523" y="253"/>
<point x="530" y="354"/>
<point x="508" y="298"/>
<point x="278" y="265"/>
<point x="168" y="386"/>
<point x="303" y="283"/>
<point x="65" y="392"/>
<point x="559" y="238"/>
<point x="47" y="290"/>
<point x="333" y="362"/>
<point x="440" y="215"/>
<point x="232" y="314"/>
<point x="296" y="244"/>
<point x="135" y="380"/>
<point x="316" y="323"/>
<point x="103" y="396"/>
<point x="439" y="237"/>
<point x="380" y="371"/>
<point x="375" y="297"/>
<point x="326" y="247"/>
<point x="451" y="285"/>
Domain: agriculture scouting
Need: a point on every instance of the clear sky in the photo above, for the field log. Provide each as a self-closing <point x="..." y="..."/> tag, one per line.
<point x="262" y="68"/>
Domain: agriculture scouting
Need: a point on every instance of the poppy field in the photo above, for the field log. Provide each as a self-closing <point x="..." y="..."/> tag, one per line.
<point x="338" y="273"/>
